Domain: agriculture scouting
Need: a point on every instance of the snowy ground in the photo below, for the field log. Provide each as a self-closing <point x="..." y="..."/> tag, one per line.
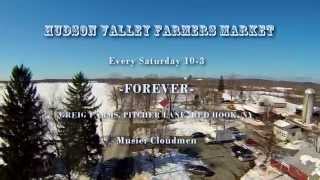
<point x="187" y="127"/>
<point x="2" y="88"/>
<point x="168" y="166"/>
<point x="50" y="92"/>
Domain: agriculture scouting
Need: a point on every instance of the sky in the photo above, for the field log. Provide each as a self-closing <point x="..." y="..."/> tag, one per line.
<point x="292" y="54"/>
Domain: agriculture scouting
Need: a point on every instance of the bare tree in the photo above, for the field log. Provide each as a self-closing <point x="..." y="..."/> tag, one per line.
<point x="196" y="101"/>
<point x="187" y="79"/>
<point x="232" y="84"/>
<point x="269" y="135"/>
<point x="172" y="97"/>
<point x="241" y="95"/>
<point x="115" y="96"/>
<point x="204" y="90"/>
<point x="211" y="98"/>
<point x="52" y="107"/>
<point x="149" y="100"/>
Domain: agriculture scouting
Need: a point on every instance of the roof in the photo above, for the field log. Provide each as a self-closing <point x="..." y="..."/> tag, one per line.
<point x="309" y="91"/>
<point x="254" y="108"/>
<point x="164" y="102"/>
<point x="306" y="159"/>
<point x="223" y="135"/>
<point x="284" y="124"/>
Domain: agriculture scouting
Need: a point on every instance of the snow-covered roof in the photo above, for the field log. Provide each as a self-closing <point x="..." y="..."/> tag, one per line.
<point x="254" y="108"/>
<point x="282" y="89"/>
<point x="284" y="124"/>
<point x="281" y="123"/>
<point x="306" y="159"/>
<point x="309" y="91"/>
<point x="239" y="107"/>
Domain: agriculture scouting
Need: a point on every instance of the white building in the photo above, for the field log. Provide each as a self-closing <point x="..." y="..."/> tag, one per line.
<point x="286" y="131"/>
<point x="254" y="108"/>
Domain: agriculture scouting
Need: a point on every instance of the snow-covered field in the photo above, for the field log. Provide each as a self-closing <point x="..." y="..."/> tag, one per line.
<point x="54" y="94"/>
<point x="50" y="92"/>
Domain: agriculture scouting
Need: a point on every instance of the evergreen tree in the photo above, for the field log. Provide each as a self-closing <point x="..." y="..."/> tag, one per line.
<point x="22" y="129"/>
<point x="81" y="144"/>
<point x="221" y="84"/>
<point x="70" y="151"/>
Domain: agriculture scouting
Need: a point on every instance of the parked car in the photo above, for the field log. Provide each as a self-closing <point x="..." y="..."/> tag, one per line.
<point x="239" y="136"/>
<point x="198" y="135"/>
<point x="263" y="167"/>
<point x="246" y="157"/>
<point x="199" y="170"/>
<point x="209" y="140"/>
<point x="251" y="142"/>
<point x="234" y="130"/>
<point x="236" y="133"/>
<point x="238" y="151"/>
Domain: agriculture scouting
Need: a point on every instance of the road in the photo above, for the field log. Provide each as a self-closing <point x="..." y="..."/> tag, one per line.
<point x="218" y="158"/>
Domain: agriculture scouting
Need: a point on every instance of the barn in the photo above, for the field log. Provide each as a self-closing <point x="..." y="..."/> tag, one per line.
<point x="304" y="165"/>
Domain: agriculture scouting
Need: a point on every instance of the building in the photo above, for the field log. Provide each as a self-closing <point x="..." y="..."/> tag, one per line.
<point x="304" y="165"/>
<point x="286" y="131"/>
<point x="279" y="105"/>
<point x="254" y="108"/>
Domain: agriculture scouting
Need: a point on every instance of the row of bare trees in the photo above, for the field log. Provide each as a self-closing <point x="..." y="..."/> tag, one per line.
<point x="136" y="101"/>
